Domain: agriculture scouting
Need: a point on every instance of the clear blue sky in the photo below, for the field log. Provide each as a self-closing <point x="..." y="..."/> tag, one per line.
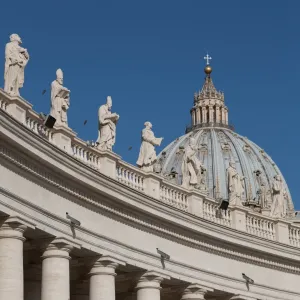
<point x="148" y="55"/>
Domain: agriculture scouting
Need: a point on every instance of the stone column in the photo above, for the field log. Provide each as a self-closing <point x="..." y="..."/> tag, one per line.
<point x="195" y="292"/>
<point x="102" y="278"/>
<point x="226" y="116"/>
<point x="217" y="114"/>
<point x="222" y="115"/>
<point x="211" y="114"/>
<point x="148" y="286"/>
<point x="203" y="114"/>
<point x="198" y="115"/>
<point x="193" y="117"/>
<point x="56" y="271"/>
<point x="11" y="260"/>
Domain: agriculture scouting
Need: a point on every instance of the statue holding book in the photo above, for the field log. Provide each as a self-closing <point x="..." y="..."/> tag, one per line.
<point x="60" y="100"/>
<point x="107" y="126"/>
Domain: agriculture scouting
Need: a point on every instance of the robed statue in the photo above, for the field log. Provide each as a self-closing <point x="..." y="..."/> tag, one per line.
<point x="191" y="168"/>
<point x="262" y="191"/>
<point x="147" y="156"/>
<point x="60" y="100"/>
<point x="279" y="204"/>
<point x="16" y="59"/>
<point x="235" y="185"/>
<point x="107" y="126"/>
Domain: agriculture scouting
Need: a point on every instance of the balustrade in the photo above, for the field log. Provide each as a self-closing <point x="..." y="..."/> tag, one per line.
<point x="174" y="196"/>
<point x="86" y="154"/>
<point x="294" y="235"/>
<point x="260" y="226"/>
<point x="212" y="213"/>
<point x="130" y="176"/>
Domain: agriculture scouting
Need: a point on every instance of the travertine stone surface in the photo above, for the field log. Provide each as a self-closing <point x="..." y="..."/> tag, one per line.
<point x="11" y="260"/>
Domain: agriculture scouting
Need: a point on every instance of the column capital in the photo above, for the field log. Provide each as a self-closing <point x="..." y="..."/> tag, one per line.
<point x="151" y="280"/>
<point x="195" y="291"/>
<point x="14" y="227"/>
<point x="106" y="265"/>
<point x="59" y="247"/>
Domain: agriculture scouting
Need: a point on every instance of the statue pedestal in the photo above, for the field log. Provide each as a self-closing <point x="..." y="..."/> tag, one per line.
<point x="62" y="138"/>
<point x="108" y="163"/>
<point x="195" y="202"/>
<point x="282" y="231"/>
<point x="152" y="184"/>
<point x="238" y="214"/>
<point x="16" y="106"/>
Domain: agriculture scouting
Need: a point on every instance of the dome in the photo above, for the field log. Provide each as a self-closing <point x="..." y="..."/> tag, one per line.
<point x="218" y="145"/>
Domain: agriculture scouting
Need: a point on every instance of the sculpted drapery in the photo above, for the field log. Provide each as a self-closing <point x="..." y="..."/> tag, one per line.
<point x="262" y="191"/>
<point x="16" y="59"/>
<point x="279" y="204"/>
<point x="191" y="166"/>
<point x="107" y="126"/>
<point x="147" y="156"/>
<point x="60" y="100"/>
<point x="235" y="185"/>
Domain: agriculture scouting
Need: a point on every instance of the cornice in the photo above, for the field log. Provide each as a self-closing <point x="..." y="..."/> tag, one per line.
<point x="167" y="228"/>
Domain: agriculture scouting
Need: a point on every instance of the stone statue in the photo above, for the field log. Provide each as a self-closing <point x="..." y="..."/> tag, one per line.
<point x="263" y="191"/>
<point x="279" y="204"/>
<point x="60" y="100"/>
<point x="147" y="156"/>
<point x="16" y="59"/>
<point x="191" y="166"/>
<point x="107" y="126"/>
<point x="235" y="185"/>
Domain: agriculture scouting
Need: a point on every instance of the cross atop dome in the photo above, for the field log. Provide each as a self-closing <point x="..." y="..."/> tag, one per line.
<point x="208" y="68"/>
<point x="207" y="58"/>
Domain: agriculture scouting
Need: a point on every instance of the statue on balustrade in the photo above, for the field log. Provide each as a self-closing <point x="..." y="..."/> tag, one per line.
<point x="262" y="192"/>
<point x="236" y="185"/>
<point x="193" y="171"/>
<point x="16" y="59"/>
<point x="147" y="156"/>
<point x="279" y="204"/>
<point x="107" y="126"/>
<point x="60" y="100"/>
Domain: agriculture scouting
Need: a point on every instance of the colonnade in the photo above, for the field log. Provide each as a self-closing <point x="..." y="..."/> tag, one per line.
<point x="209" y="114"/>
<point x="55" y="283"/>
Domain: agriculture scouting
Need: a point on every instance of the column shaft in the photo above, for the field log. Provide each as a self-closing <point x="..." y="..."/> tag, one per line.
<point x="193" y="117"/>
<point x="223" y="115"/>
<point x="205" y="115"/>
<point x="55" y="272"/>
<point x="11" y="261"/>
<point x="102" y="278"/>
<point x="217" y="114"/>
<point x="198" y="115"/>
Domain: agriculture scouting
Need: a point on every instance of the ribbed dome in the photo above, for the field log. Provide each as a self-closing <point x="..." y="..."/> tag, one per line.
<point x="218" y="145"/>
